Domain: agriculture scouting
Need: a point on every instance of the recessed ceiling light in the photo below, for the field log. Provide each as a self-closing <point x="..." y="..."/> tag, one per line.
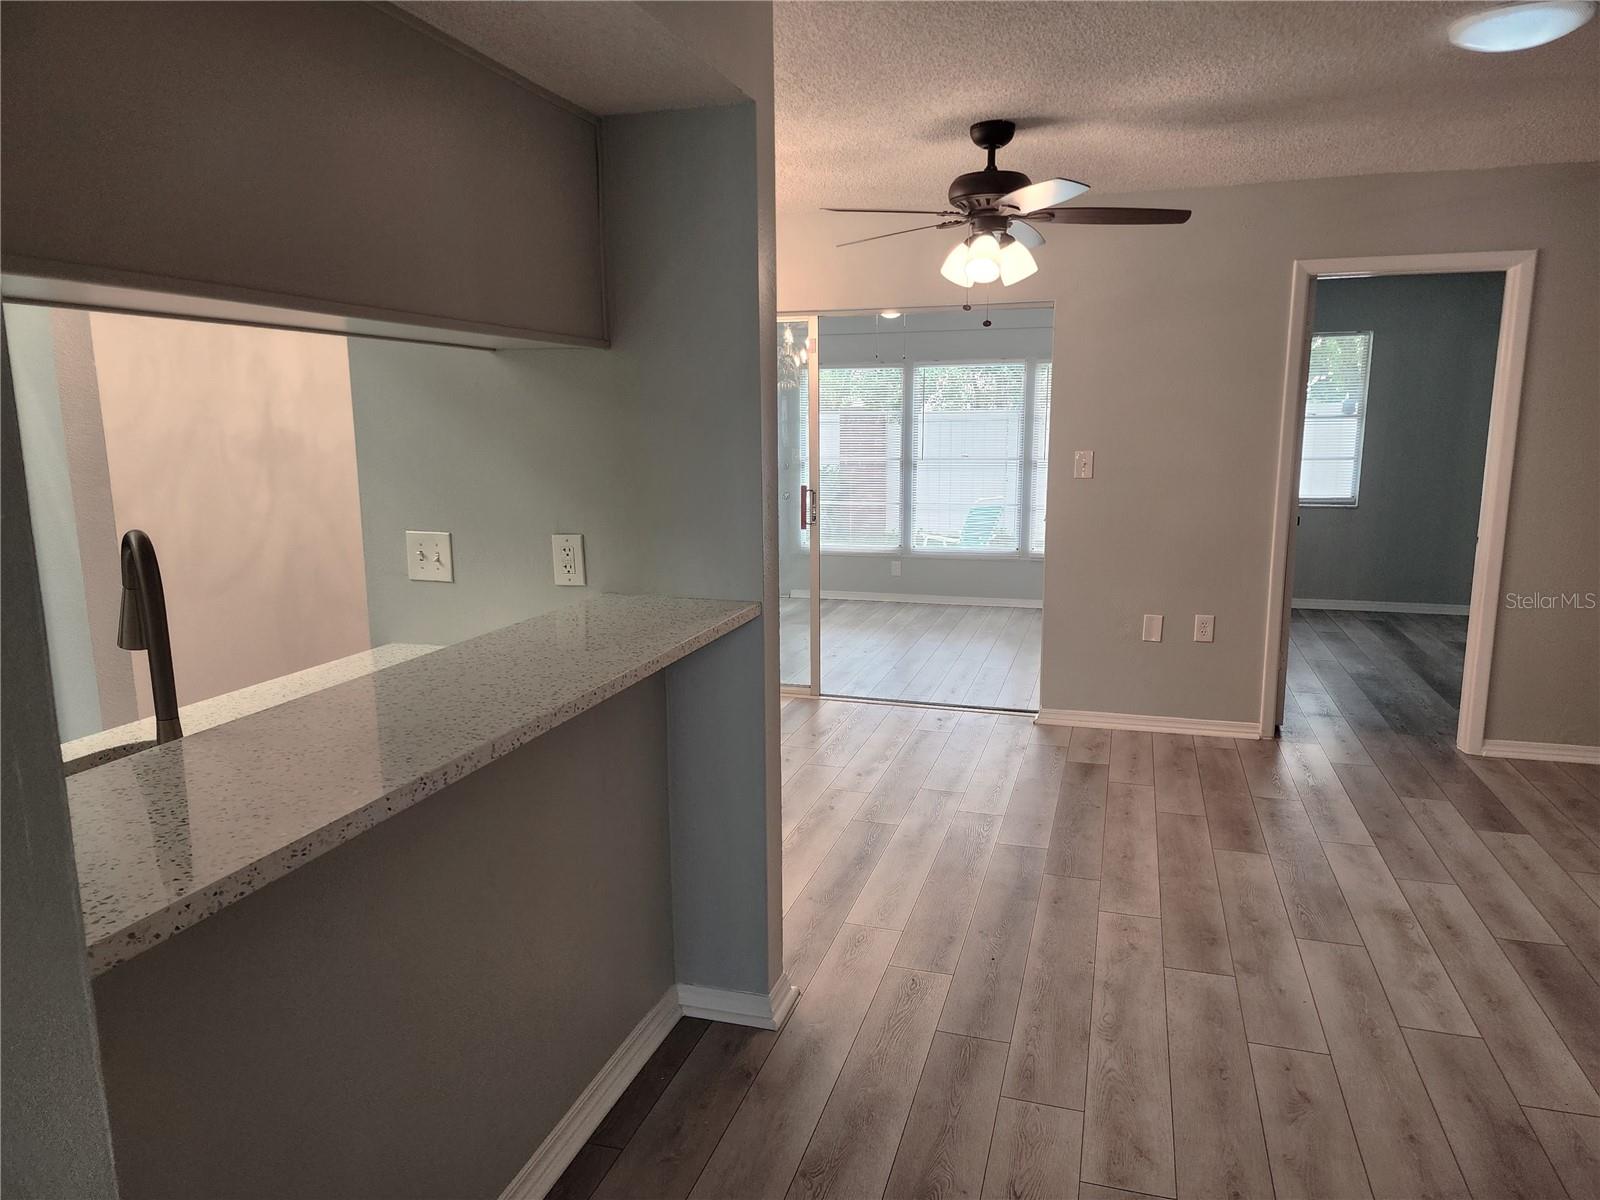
<point x="1520" y="26"/>
<point x="890" y="315"/>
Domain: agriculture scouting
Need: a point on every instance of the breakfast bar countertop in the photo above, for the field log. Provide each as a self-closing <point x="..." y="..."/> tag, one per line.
<point x="168" y="836"/>
<point x="83" y="753"/>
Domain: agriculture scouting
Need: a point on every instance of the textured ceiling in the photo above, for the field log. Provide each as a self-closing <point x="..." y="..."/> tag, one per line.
<point x="607" y="58"/>
<point x="874" y="99"/>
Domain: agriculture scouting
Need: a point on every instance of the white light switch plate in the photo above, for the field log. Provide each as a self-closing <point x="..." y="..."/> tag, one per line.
<point x="428" y="557"/>
<point x="1152" y="627"/>
<point x="566" y="552"/>
<point x="1205" y="627"/>
<point x="1083" y="464"/>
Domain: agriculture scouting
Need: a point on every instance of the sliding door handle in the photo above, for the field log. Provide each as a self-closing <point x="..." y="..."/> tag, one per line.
<point x="805" y="507"/>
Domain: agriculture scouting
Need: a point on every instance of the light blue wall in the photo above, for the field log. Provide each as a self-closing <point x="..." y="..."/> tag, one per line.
<point x="55" y="528"/>
<point x="54" y="1139"/>
<point x="501" y="449"/>
<point x="1412" y="538"/>
<point x="652" y="450"/>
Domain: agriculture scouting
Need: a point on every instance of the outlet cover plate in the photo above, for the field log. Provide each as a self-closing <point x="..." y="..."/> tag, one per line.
<point x="1205" y="627"/>
<point x="428" y="557"/>
<point x="1083" y="464"/>
<point x="566" y="554"/>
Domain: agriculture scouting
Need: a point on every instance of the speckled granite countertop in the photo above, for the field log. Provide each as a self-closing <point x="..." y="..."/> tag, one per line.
<point x="168" y="836"/>
<point x="219" y="710"/>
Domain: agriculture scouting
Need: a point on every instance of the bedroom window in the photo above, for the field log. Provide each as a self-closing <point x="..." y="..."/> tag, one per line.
<point x="1336" y="418"/>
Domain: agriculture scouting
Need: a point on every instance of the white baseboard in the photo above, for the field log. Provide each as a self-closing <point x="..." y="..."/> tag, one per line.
<point x="556" y="1152"/>
<point x="1553" y="751"/>
<point x="539" y="1173"/>
<point x="912" y="598"/>
<point x="1394" y="606"/>
<point x="1149" y="724"/>
<point x="740" y="1008"/>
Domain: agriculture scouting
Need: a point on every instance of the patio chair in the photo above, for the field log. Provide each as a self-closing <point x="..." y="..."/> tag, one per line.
<point x="977" y="531"/>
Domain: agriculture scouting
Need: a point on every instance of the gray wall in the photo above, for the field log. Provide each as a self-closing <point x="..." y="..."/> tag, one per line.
<point x="1413" y="535"/>
<point x="410" y="1014"/>
<point x="1170" y="346"/>
<point x="54" y="1141"/>
<point x="317" y="156"/>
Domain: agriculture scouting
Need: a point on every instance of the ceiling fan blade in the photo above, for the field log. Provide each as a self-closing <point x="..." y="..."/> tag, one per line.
<point x="1025" y="233"/>
<point x="897" y="233"/>
<point x="913" y="212"/>
<point x="1047" y="193"/>
<point x="1112" y="216"/>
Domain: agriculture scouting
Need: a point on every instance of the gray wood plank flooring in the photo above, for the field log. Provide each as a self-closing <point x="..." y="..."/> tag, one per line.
<point x="976" y="656"/>
<point x="1050" y="962"/>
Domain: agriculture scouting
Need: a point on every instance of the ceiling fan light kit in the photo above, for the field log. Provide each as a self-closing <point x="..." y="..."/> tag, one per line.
<point x="1016" y="264"/>
<point x="955" y="265"/>
<point x="983" y="259"/>
<point x="992" y="203"/>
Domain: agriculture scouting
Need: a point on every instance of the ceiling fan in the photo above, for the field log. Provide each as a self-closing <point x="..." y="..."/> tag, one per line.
<point x="993" y="202"/>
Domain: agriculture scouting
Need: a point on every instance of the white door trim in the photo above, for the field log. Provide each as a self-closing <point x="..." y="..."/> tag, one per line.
<point x="1505" y="408"/>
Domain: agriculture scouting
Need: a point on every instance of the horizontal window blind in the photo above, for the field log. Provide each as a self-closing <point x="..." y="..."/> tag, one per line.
<point x="967" y="456"/>
<point x="860" y="413"/>
<point x="1336" y="417"/>
<point x="1041" y="457"/>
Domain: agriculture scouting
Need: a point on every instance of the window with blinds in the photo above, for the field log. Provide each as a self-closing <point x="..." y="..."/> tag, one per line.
<point x="1336" y="418"/>
<point x="930" y="458"/>
<point x="1039" y="454"/>
<point x="860" y="414"/>
<point x="966" y="456"/>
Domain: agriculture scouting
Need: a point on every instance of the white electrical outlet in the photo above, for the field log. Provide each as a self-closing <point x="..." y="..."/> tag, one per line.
<point x="1152" y="627"/>
<point x="566" y="549"/>
<point x="428" y="557"/>
<point x="1083" y="464"/>
<point x="1205" y="627"/>
<point x="894" y="567"/>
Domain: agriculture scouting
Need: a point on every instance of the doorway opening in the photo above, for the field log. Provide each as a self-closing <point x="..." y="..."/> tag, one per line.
<point x="914" y="464"/>
<point x="1402" y="389"/>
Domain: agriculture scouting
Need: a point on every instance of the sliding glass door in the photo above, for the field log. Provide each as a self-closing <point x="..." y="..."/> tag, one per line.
<point x="932" y="456"/>
<point x="799" y="549"/>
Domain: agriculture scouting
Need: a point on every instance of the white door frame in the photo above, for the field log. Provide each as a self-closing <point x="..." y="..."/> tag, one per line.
<point x="1505" y="408"/>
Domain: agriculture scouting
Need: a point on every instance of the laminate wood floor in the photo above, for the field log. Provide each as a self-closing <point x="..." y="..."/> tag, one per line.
<point x="976" y="656"/>
<point x="1049" y="962"/>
